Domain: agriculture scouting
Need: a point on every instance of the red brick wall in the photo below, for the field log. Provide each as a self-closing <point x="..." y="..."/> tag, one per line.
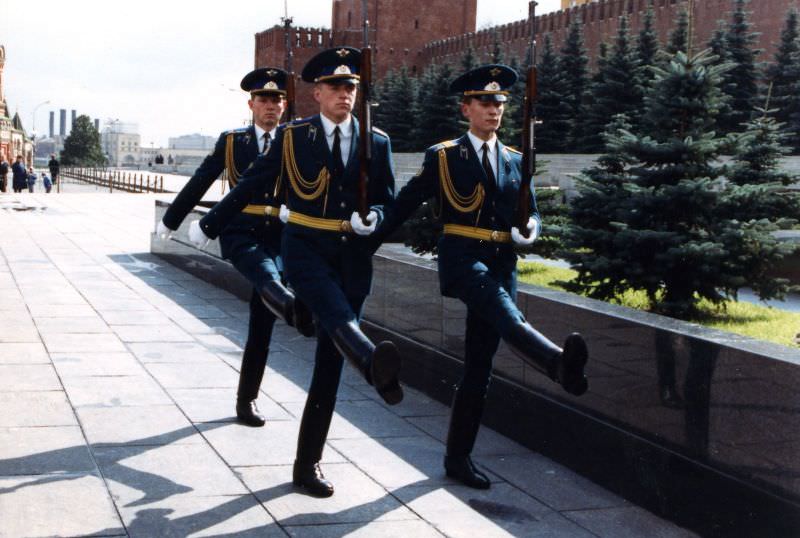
<point x="418" y="32"/>
<point x="401" y="28"/>
<point x="601" y="23"/>
<point x="270" y="50"/>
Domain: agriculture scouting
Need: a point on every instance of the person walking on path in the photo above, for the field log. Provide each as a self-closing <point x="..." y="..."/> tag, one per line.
<point x="251" y="240"/>
<point x="54" y="167"/>
<point x="31" y="179"/>
<point x="20" y="175"/>
<point x="475" y="180"/>
<point x="313" y="167"/>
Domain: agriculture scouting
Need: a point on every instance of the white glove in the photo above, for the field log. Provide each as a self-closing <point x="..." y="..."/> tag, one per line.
<point x="358" y="224"/>
<point x="533" y="227"/>
<point x="162" y="231"/>
<point x="283" y="214"/>
<point x="197" y="235"/>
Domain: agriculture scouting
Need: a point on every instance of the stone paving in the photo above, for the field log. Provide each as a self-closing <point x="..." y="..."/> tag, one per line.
<point x="118" y="375"/>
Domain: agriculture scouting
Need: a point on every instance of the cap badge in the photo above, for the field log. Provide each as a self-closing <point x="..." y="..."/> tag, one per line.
<point x="342" y="52"/>
<point x="342" y="70"/>
<point x="271" y="72"/>
<point x="495" y="71"/>
<point x="270" y="85"/>
<point x="492" y="87"/>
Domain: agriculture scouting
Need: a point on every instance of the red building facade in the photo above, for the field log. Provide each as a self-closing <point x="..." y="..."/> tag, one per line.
<point x="416" y="33"/>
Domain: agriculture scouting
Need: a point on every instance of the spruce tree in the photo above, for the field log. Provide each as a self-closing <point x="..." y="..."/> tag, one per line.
<point x="678" y="40"/>
<point x="82" y="146"/>
<point x="397" y="98"/>
<point x="552" y="109"/>
<point x="784" y="76"/>
<point x="663" y="234"/>
<point x="594" y="118"/>
<point x="757" y="198"/>
<point x="616" y="90"/>
<point x="647" y="50"/>
<point x="718" y="46"/>
<point x="438" y="116"/>
<point x="574" y="66"/>
<point x="743" y="75"/>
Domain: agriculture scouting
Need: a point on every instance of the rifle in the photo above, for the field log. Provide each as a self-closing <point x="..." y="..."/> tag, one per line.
<point x="365" y="121"/>
<point x="287" y="42"/>
<point x="528" y="131"/>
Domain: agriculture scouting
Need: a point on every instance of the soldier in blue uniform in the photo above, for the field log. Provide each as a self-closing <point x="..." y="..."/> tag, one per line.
<point x="251" y="241"/>
<point x="313" y="168"/>
<point x="475" y="181"/>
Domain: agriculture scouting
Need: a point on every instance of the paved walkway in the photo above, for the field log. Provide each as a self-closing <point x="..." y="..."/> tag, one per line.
<point x="117" y="382"/>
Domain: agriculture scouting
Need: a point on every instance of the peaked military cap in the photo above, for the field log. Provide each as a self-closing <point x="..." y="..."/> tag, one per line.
<point x="265" y="80"/>
<point x="487" y="82"/>
<point x="338" y="65"/>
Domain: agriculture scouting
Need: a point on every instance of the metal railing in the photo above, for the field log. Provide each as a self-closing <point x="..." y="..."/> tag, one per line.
<point x="116" y="179"/>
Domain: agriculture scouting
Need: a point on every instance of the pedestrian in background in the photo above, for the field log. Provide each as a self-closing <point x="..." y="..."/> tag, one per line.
<point x="48" y="185"/>
<point x="19" y="175"/>
<point x="4" y="168"/>
<point x="54" y="167"/>
<point x="31" y="179"/>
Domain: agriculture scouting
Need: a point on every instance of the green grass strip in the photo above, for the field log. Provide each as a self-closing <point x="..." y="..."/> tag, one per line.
<point x="748" y="319"/>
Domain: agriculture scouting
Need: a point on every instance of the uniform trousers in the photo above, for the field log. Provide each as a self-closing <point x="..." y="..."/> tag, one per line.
<point x="487" y="288"/>
<point x="332" y="279"/>
<point x="257" y="264"/>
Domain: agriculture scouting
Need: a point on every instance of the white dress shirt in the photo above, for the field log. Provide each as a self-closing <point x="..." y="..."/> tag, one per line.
<point x="260" y="136"/>
<point x="477" y="143"/>
<point x="345" y="135"/>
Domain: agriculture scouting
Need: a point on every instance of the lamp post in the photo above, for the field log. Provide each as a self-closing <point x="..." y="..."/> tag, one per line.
<point x="33" y="116"/>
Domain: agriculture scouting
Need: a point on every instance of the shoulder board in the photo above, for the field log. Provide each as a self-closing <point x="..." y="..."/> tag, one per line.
<point x="238" y="130"/>
<point x="297" y="123"/>
<point x="513" y="150"/>
<point x="443" y="145"/>
<point x="379" y="131"/>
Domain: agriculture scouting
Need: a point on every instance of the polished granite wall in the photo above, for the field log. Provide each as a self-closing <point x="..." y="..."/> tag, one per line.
<point x="727" y="405"/>
<point x="727" y="401"/>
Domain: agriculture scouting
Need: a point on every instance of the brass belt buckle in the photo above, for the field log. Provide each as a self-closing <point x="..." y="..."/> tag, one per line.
<point x="345" y="226"/>
<point x="495" y="236"/>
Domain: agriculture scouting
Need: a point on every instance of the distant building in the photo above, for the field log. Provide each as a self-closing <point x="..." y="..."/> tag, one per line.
<point x="192" y="141"/>
<point x="13" y="139"/>
<point x="121" y="144"/>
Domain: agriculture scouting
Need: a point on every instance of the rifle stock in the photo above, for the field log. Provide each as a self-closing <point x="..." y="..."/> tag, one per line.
<point x="365" y="131"/>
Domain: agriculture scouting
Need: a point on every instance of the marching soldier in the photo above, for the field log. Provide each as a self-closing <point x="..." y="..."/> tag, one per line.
<point x="313" y="166"/>
<point x="475" y="180"/>
<point x="250" y="241"/>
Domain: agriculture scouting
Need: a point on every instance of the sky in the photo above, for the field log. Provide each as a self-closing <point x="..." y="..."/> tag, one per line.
<point x="172" y="67"/>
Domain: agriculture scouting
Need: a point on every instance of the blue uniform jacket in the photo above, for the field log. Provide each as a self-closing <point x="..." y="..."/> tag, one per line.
<point x="268" y="179"/>
<point x="459" y="256"/>
<point x="242" y="228"/>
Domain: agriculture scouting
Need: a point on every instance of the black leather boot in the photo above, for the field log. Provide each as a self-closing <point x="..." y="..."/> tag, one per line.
<point x="465" y="419"/>
<point x="250" y="376"/>
<point x="247" y="412"/>
<point x="309" y="477"/>
<point x="380" y="365"/>
<point x="303" y="319"/>
<point x="281" y="302"/>
<point x="562" y="366"/>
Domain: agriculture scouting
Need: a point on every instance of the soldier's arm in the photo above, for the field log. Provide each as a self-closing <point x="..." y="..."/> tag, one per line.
<point x="382" y="187"/>
<point x="191" y="193"/>
<point x="420" y="188"/>
<point x="257" y="181"/>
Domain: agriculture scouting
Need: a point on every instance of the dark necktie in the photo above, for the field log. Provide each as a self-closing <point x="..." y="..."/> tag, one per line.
<point x="338" y="163"/>
<point x="267" y="142"/>
<point x="487" y="166"/>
